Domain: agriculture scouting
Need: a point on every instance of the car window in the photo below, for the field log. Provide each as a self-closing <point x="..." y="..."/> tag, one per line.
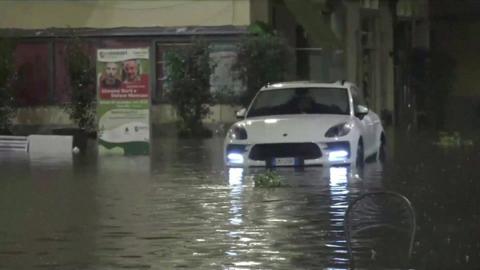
<point x="307" y="100"/>
<point x="357" y="99"/>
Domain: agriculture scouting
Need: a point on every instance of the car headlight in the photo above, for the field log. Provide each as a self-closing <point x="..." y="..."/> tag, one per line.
<point x="238" y="133"/>
<point x="338" y="130"/>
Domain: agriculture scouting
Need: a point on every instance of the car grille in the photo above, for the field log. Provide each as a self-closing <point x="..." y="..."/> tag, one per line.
<point x="278" y="150"/>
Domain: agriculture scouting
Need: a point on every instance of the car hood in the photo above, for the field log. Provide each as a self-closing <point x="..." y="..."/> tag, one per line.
<point x="291" y="128"/>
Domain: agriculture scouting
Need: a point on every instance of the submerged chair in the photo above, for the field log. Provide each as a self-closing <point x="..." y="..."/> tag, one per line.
<point x="380" y="229"/>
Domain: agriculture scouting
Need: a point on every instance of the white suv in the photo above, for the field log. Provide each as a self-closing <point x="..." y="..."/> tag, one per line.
<point x="304" y="123"/>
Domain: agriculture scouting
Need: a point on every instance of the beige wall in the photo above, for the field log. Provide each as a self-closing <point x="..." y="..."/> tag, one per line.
<point x="350" y="40"/>
<point x="35" y="14"/>
<point x="160" y="114"/>
<point x="260" y="10"/>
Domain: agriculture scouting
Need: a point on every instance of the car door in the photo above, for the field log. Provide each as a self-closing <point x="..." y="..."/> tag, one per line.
<point x="366" y="120"/>
<point x="371" y="123"/>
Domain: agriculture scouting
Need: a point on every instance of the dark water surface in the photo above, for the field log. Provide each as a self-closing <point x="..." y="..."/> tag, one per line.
<point x="180" y="208"/>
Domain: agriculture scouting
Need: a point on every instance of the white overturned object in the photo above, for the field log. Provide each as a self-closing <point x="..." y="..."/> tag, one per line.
<point x="50" y="145"/>
<point x="38" y="145"/>
<point x="14" y="143"/>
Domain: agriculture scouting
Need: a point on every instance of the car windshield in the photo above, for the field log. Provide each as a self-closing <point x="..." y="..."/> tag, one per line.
<point x="307" y="100"/>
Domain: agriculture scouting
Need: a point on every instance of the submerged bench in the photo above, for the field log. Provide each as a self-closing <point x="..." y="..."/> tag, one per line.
<point x="37" y="144"/>
<point x="14" y="143"/>
<point x="50" y="144"/>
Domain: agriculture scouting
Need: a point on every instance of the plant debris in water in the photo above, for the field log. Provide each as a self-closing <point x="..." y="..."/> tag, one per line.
<point x="268" y="179"/>
<point x="454" y="139"/>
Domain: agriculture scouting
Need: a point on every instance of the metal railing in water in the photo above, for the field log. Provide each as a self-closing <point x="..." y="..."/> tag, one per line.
<point x="380" y="230"/>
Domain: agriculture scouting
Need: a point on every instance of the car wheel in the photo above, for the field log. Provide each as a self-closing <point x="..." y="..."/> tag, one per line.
<point x="360" y="161"/>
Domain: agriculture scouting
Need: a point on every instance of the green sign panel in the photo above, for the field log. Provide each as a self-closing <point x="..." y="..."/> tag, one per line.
<point x="123" y="101"/>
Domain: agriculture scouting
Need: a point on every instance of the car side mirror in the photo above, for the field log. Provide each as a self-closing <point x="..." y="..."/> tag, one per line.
<point x="241" y="113"/>
<point x="361" y="111"/>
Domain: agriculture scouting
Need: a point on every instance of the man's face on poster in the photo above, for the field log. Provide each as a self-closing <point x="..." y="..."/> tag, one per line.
<point x="131" y="68"/>
<point x="111" y="73"/>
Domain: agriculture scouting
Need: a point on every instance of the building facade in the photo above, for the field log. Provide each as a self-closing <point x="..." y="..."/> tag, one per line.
<point x="351" y="40"/>
<point x="367" y="42"/>
<point x="455" y="30"/>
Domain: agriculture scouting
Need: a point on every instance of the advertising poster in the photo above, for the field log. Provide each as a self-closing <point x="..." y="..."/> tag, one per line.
<point x="123" y="101"/>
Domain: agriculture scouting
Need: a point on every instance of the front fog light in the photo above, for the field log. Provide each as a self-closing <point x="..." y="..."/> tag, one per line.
<point x="338" y="151"/>
<point x="338" y="155"/>
<point x="235" y="158"/>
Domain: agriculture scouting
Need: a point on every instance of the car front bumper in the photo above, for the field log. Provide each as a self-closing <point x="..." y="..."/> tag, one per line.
<point x="332" y="153"/>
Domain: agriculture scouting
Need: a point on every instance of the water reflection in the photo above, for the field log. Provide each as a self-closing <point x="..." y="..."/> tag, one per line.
<point x="125" y="165"/>
<point x="46" y="213"/>
<point x="180" y="208"/>
<point x="310" y="210"/>
<point x="339" y="178"/>
<point x="140" y="209"/>
<point x="52" y="161"/>
<point x="235" y="176"/>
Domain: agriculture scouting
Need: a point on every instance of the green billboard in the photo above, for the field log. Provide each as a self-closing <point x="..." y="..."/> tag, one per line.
<point x="123" y="109"/>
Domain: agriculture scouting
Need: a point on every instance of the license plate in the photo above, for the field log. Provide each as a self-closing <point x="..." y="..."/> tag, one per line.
<point x="284" y="161"/>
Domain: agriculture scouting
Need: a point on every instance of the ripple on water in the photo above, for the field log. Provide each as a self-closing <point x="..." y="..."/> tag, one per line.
<point x="173" y="210"/>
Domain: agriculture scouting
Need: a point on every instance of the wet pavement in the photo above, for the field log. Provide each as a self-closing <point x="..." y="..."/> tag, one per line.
<point x="180" y="208"/>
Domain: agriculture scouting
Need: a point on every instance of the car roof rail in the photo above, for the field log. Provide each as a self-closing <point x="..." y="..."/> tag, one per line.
<point x="341" y="82"/>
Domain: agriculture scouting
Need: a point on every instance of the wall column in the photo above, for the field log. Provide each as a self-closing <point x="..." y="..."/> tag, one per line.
<point x="351" y="40"/>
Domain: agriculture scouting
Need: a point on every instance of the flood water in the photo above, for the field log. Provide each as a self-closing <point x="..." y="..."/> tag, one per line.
<point x="180" y="208"/>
